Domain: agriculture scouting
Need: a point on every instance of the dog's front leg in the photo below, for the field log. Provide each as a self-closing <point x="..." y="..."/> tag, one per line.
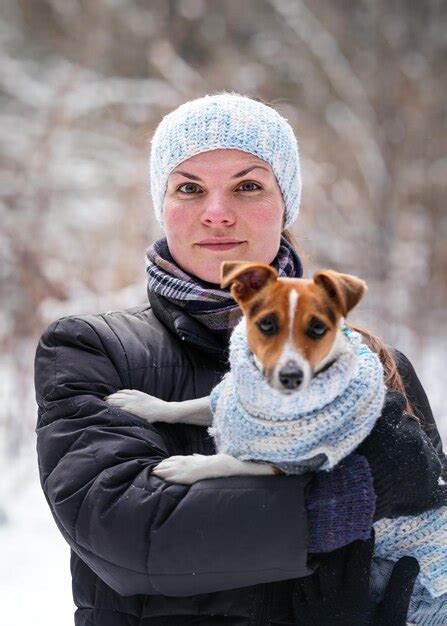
<point x="154" y="409"/>
<point x="186" y="470"/>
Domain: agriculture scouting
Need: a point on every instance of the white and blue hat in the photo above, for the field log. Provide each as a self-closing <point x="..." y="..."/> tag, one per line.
<point x="226" y="120"/>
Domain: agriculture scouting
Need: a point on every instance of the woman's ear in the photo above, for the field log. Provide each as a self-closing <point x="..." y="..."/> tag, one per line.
<point x="245" y="277"/>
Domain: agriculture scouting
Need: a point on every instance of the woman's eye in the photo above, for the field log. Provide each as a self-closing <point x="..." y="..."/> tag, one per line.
<point x="316" y="329"/>
<point x="191" y="188"/>
<point x="188" y="188"/>
<point x="250" y="186"/>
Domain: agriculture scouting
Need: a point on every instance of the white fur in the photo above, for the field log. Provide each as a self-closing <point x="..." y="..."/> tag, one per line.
<point x="152" y="409"/>
<point x="143" y="405"/>
<point x="188" y="469"/>
<point x="293" y="302"/>
<point x="338" y="347"/>
<point x="258" y="363"/>
<point x="290" y="352"/>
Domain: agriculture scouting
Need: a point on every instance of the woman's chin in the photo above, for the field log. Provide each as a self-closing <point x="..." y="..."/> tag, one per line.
<point x="209" y="269"/>
<point x="210" y="276"/>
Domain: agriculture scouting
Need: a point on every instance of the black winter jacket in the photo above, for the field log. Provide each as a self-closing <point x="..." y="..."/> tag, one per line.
<point x="145" y="552"/>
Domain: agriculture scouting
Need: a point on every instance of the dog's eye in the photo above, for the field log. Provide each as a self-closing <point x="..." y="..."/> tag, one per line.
<point x="316" y="329"/>
<point x="269" y="325"/>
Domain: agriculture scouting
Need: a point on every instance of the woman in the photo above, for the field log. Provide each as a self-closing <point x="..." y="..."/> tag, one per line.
<point x="225" y="183"/>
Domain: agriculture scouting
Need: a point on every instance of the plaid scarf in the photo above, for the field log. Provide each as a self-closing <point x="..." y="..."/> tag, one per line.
<point x="211" y="306"/>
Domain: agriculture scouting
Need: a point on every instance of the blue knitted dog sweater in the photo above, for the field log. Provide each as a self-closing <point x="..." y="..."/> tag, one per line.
<point x="314" y="428"/>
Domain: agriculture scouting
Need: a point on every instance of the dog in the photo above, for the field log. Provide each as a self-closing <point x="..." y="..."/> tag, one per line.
<point x="293" y="331"/>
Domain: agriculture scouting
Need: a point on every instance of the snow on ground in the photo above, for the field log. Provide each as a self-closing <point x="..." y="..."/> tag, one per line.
<point x="35" y="582"/>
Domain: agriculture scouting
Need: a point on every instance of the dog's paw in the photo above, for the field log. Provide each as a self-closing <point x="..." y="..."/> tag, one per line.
<point x="185" y="470"/>
<point x="139" y="403"/>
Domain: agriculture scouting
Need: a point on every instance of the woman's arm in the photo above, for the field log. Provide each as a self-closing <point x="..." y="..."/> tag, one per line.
<point x="135" y="531"/>
<point x="419" y="401"/>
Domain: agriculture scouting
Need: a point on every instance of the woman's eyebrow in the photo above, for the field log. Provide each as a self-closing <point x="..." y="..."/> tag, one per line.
<point x="238" y="175"/>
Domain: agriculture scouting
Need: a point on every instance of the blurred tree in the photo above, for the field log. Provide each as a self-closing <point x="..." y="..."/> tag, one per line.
<point x="83" y="85"/>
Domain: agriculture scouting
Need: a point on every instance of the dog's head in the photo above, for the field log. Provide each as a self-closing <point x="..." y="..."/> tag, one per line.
<point x="293" y="324"/>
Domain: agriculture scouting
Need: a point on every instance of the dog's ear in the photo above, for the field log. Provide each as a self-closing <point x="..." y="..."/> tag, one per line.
<point x="245" y="277"/>
<point x="344" y="289"/>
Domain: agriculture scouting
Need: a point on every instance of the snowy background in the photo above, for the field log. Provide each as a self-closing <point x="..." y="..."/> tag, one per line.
<point x="83" y="85"/>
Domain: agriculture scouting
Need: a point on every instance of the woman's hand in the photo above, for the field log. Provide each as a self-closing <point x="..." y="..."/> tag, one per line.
<point x="338" y="593"/>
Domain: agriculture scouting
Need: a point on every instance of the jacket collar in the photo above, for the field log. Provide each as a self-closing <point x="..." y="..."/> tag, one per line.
<point x="185" y="327"/>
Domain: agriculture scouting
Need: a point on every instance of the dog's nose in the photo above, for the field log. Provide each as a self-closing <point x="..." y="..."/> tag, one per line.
<point x="291" y="376"/>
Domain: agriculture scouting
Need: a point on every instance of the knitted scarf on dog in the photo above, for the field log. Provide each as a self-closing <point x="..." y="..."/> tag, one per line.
<point x="213" y="307"/>
<point x="306" y="430"/>
<point x="316" y="429"/>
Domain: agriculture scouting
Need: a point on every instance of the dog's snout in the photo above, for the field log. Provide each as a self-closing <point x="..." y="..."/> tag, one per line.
<point x="291" y="376"/>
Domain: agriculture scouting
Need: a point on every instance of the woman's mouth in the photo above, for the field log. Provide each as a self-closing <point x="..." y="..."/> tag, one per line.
<point x="219" y="246"/>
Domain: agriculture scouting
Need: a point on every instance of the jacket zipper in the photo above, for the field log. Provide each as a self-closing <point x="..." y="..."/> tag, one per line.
<point x="221" y="355"/>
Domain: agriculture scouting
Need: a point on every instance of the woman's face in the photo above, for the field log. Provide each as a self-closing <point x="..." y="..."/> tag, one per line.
<point x="222" y="205"/>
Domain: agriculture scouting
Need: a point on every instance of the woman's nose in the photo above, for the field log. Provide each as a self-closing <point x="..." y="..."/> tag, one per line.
<point x="218" y="210"/>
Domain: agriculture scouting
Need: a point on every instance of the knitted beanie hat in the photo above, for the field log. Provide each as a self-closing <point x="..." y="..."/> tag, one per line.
<point x="226" y="120"/>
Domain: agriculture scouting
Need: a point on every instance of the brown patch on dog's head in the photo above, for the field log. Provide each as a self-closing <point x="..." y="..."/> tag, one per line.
<point x="344" y="290"/>
<point x="246" y="278"/>
<point x="291" y="322"/>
